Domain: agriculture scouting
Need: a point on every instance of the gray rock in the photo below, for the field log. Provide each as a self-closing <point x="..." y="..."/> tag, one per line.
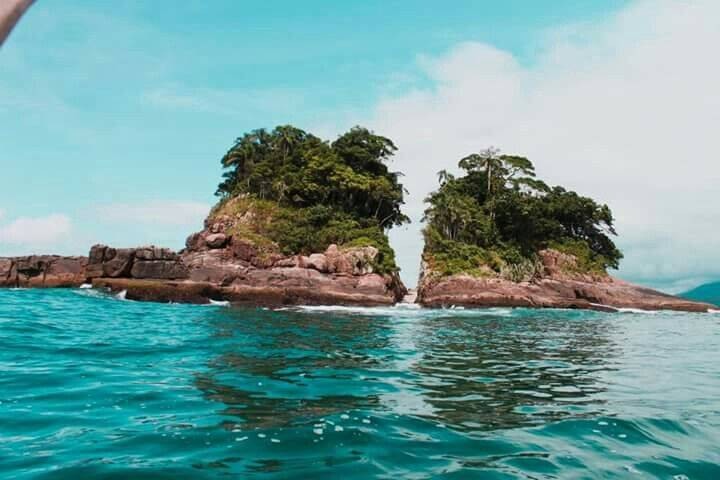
<point x="120" y="263"/>
<point x="155" y="253"/>
<point x="216" y="240"/>
<point x="161" y="269"/>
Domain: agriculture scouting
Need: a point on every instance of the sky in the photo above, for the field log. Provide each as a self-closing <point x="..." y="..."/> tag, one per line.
<point x="115" y="114"/>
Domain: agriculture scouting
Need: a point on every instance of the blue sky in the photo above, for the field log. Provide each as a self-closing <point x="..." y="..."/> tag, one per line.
<point x="115" y="114"/>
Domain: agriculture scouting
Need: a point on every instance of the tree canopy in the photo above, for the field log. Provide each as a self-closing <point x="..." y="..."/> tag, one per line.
<point x="297" y="169"/>
<point x="317" y="192"/>
<point x="500" y="213"/>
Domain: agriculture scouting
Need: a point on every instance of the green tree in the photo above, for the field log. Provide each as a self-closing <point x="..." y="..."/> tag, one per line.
<point x="335" y="191"/>
<point x="500" y="206"/>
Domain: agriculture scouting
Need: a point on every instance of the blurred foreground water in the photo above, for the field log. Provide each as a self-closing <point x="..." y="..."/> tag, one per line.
<point x="92" y="386"/>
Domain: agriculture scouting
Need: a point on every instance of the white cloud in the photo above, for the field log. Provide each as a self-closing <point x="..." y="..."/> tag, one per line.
<point x="625" y="111"/>
<point x="156" y="212"/>
<point x="36" y="232"/>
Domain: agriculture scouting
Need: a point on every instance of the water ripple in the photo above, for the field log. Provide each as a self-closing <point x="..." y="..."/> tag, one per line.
<point x="92" y="386"/>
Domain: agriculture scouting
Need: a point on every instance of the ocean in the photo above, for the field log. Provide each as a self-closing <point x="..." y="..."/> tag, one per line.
<point x="93" y="386"/>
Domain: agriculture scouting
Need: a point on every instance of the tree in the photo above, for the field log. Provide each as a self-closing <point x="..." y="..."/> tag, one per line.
<point x="488" y="160"/>
<point x="500" y="206"/>
<point x="317" y="192"/>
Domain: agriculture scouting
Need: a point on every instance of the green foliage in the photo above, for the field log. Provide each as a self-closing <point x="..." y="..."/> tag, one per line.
<point x="587" y="260"/>
<point x="313" y="229"/>
<point x="501" y="210"/>
<point x="297" y="169"/>
<point x="447" y="256"/>
<point x="300" y="194"/>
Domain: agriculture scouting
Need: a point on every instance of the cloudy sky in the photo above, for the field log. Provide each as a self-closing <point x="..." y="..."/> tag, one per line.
<point x="114" y="114"/>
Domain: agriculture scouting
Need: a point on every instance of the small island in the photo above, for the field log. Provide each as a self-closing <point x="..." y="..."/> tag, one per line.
<point x="299" y="220"/>
<point x="500" y="236"/>
<point x="304" y="221"/>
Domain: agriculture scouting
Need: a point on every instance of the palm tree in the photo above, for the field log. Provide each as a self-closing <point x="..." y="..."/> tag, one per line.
<point x="491" y="161"/>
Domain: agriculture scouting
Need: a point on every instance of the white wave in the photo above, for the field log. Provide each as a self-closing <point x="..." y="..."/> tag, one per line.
<point x="90" y="292"/>
<point x="409" y="306"/>
<point x="121" y="295"/>
<point x="346" y="309"/>
<point x="637" y="310"/>
<point x="219" y="303"/>
<point x="624" y="309"/>
<point x="85" y="286"/>
<point x="404" y="310"/>
<point x="710" y="310"/>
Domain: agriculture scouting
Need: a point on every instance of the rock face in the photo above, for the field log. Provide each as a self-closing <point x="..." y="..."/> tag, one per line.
<point x="218" y="265"/>
<point x="557" y="287"/>
<point x="42" y="271"/>
<point x="237" y="273"/>
<point x="139" y="263"/>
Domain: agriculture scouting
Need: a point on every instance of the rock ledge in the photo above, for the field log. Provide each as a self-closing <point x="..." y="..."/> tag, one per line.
<point x="557" y="287"/>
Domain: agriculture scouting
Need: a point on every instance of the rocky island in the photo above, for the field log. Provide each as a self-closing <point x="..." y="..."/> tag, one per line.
<point x="304" y="221"/>
<point x="499" y="236"/>
<point x="299" y="221"/>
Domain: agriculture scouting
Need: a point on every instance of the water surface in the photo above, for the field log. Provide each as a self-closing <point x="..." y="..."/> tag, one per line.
<point x="96" y="387"/>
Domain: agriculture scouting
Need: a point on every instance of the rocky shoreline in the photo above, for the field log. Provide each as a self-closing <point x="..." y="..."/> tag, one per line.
<point x="43" y="271"/>
<point x="214" y="271"/>
<point x="558" y="286"/>
<point x="218" y="267"/>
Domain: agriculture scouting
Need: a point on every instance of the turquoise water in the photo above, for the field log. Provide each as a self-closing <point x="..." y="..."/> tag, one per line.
<point x="96" y="387"/>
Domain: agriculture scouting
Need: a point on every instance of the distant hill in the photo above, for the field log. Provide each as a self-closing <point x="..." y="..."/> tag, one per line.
<point x="709" y="292"/>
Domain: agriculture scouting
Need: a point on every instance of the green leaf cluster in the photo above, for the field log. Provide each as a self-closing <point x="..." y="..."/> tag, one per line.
<point x="498" y="215"/>
<point x="302" y="193"/>
<point x="297" y="169"/>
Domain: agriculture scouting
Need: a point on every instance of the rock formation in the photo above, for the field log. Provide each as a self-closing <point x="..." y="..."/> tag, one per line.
<point x="557" y="285"/>
<point x="220" y="264"/>
<point x="233" y="270"/>
<point x="48" y="271"/>
<point x="217" y="264"/>
<point x="223" y="270"/>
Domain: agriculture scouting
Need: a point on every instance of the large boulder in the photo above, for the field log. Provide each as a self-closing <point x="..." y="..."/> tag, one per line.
<point x="43" y="271"/>
<point x="8" y="272"/>
<point x="195" y="242"/>
<point x="156" y="253"/>
<point x="215" y="266"/>
<point x="316" y="261"/>
<point x="65" y="272"/>
<point x="117" y="263"/>
<point x="351" y="261"/>
<point x="142" y="262"/>
<point x="161" y="269"/>
<point x="243" y="249"/>
<point x="96" y="257"/>
<point x="216" y="240"/>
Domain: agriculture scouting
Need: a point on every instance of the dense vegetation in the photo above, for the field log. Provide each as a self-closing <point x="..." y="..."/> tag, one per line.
<point x="315" y="192"/>
<point x="498" y="215"/>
